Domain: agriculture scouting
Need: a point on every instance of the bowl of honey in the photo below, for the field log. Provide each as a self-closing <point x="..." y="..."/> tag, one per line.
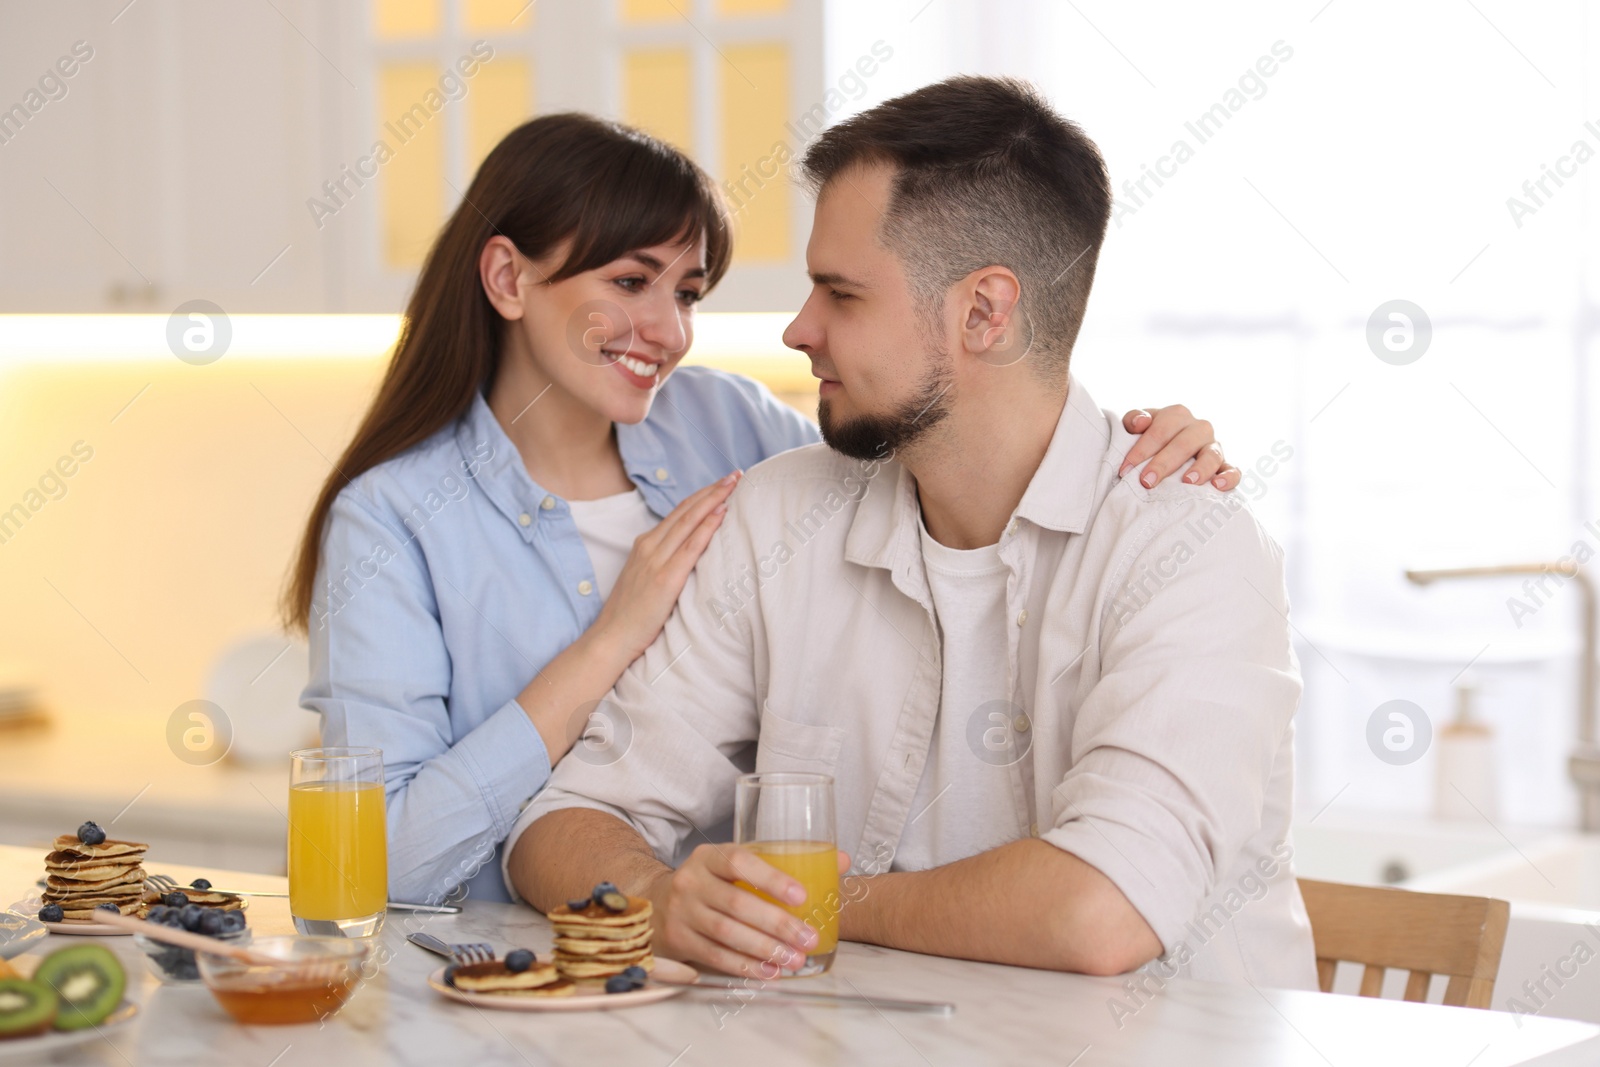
<point x="307" y="980"/>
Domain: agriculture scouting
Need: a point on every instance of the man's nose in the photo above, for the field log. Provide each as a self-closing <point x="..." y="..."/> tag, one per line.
<point x="802" y="334"/>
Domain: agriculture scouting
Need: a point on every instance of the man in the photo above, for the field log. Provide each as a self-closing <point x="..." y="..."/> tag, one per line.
<point x="1058" y="705"/>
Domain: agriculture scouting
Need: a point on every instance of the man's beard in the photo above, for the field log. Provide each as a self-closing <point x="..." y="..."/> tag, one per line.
<point x="870" y="437"/>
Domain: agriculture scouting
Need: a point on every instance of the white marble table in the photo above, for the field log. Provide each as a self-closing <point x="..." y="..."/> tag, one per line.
<point x="1004" y="1015"/>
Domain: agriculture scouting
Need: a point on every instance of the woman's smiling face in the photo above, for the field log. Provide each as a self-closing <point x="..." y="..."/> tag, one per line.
<point x="608" y="337"/>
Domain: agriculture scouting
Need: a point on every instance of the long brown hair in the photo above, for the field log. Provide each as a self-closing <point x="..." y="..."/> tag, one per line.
<point x="609" y="188"/>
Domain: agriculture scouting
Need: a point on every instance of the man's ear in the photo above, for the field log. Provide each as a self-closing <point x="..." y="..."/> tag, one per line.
<point x="993" y="326"/>
<point x="500" y="268"/>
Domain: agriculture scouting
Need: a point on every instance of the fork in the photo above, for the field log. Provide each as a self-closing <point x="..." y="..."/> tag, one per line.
<point x="471" y="952"/>
<point x="165" y="884"/>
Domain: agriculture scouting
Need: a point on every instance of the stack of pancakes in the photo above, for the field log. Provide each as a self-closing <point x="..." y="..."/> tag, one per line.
<point x="80" y="877"/>
<point x="539" y="980"/>
<point x="596" y="942"/>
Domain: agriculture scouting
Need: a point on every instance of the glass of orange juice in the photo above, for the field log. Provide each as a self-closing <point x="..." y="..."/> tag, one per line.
<point x="338" y="846"/>
<point x="786" y="818"/>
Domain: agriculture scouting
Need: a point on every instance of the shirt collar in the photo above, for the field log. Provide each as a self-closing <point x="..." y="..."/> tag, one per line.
<point x="1060" y="495"/>
<point x="506" y="482"/>
<point x="887" y="519"/>
<point x="644" y="457"/>
<point x="495" y="465"/>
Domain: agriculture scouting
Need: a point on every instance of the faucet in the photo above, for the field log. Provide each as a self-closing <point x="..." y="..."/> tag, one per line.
<point x="1583" y="766"/>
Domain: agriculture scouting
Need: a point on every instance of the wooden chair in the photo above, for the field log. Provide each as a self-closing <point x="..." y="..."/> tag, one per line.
<point x="1423" y="933"/>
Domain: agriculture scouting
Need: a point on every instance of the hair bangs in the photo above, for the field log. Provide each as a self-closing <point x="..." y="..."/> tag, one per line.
<point x="642" y="194"/>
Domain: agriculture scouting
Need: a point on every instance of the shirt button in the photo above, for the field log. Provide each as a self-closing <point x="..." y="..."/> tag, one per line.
<point x="1021" y="723"/>
<point x="547" y="503"/>
<point x="1022" y="617"/>
<point x="1012" y="528"/>
<point x="661" y="474"/>
<point x="585" y="587"/>
<point x="525" y="519"/>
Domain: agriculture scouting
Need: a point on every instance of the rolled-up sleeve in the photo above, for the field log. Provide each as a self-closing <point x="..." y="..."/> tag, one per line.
<point x="1173" y="747"/>
<point x="676" y="719"/>
<point x="380" y="677"/>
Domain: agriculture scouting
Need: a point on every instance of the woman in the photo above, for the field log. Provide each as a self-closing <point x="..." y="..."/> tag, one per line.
<point x="516" y="515"/>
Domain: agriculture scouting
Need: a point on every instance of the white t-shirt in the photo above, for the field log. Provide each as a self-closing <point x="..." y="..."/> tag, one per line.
<point x="607" y="528"/>
<point x="969" y="599"/>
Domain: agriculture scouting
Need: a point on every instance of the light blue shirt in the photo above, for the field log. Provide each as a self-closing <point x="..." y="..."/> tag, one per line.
<point x="449" y="578"/>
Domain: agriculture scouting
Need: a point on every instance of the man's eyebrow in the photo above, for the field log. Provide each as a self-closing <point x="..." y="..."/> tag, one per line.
<point x="836" y="280"/>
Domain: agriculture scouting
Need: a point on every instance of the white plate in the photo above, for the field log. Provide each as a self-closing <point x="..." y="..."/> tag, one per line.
<point x="19" y="1048"/>
<point x="79" y="928"/>
<point x="17" y="932"/>
<point x="31" y="905"/>
<point x="667" y="980"/>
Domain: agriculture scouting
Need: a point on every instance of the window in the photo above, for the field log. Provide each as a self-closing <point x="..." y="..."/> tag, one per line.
<point x="451" y="77"/>
<point x="718" y="78"/>
<point x="721" y="79"/>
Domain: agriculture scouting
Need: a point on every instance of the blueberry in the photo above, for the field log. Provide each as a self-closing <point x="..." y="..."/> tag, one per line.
<point x="175" y="899"/>
<point x="637" y="974"/>
<point x="212" y="923"/>
<point x="108" y="907"/>
<point x="189" y="916"/>
<point x="233" y="921"/>
<point x="50" y="913"/>
<point x="450" y="975"/>
<point x="519" y="960"/>
<point x="614" y="901"/>
<point x="155" y="913"/>
<point x="91" y="834"/>
<point x="201" y="884"/>
<point x="601" y="890"/>
<point x="187" y="971"/>
<point x="578" y="905"/>
<point x="619" y="983"/>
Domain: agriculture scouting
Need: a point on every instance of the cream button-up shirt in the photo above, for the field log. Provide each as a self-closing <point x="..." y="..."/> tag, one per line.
<point x="1153" y="689"/>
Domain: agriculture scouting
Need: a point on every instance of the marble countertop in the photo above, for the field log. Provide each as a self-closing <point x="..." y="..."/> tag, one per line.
<point x="1004" y="1015"/>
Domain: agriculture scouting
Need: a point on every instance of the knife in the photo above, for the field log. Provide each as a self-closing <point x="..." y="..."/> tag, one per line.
<point x="392" y="905"/>
<point x="768" y="992"/>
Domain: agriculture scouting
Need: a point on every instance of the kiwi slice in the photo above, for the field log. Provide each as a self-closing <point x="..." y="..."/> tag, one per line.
<point x="25" y="1007"/>
<point x="89" y="981"/>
